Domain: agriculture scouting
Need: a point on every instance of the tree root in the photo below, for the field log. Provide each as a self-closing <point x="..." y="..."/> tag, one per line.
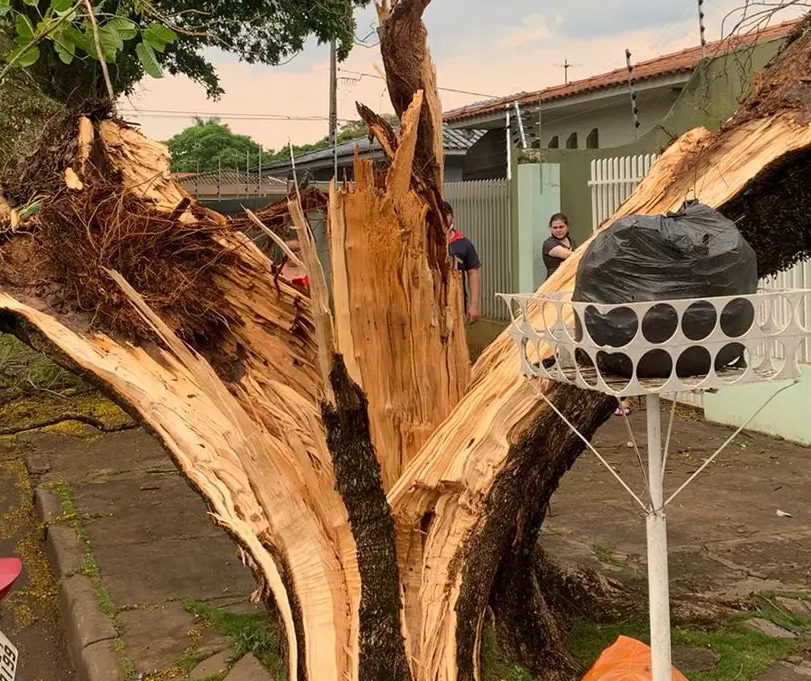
<point x="97" y="423"/>
<point x="532" y="611"/>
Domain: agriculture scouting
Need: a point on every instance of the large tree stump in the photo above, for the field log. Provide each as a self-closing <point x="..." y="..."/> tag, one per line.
<point x="383" y="494"/>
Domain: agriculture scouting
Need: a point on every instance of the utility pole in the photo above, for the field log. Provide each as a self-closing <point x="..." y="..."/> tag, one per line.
<point x="701" y="28"/>
<point x="333" y="106"/>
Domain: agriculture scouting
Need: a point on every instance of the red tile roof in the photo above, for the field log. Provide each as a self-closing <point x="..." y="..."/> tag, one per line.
<point x="669" y="64"/>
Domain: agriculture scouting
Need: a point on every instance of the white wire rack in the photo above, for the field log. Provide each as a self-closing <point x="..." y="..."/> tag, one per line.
<point x="661" y="346"/>
<point x="647" y="348"/>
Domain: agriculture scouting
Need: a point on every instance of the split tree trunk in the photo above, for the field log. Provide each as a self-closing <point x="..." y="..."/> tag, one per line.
<point x="381" y="498"/>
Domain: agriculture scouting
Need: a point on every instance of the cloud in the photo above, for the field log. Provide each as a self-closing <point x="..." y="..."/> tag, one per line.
<point x="532" y="28"/>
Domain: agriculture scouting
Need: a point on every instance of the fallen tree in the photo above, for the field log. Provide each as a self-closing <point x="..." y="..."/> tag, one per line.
<point x="383" y="493"/>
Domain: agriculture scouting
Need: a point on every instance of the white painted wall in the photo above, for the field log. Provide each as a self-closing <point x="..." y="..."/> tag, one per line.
<point x="613" y="119"/>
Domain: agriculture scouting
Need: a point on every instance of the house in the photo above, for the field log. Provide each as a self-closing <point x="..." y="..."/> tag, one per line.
<point x="317" y="166"/>
<point x="592" y="113"/>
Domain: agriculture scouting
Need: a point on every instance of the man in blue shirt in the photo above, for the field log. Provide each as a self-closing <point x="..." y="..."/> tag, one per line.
<point x="466" y="259"/>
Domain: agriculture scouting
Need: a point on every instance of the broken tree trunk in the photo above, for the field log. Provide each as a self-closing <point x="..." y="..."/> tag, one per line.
<point x="381" y="498"/>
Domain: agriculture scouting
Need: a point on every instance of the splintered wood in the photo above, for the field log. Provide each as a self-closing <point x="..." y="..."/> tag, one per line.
<point x="250" y="433"/>
<point x="407" y="352"/>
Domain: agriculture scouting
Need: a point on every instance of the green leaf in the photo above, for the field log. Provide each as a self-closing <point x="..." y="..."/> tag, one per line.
<point x="125" y="28"/>
<point x="5" y="7"/>
<point x="29" y="55"/>
<point x="80" y="40"/>
<point x="61" y="5"/>
<point x="109" y="39"/>
<point x="148" y="60"/>
<point x="30" y="210"/>
<point x="25" y="29"/>
<point x="65" y="47"/>
<point x="31" y="3"/>
<point x="158" y="36"/>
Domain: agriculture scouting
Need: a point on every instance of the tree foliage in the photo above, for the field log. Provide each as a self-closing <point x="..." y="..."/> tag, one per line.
<point x="355" y="129"/>
<point x="209" y="145"/>
<point x="54" y="38"/>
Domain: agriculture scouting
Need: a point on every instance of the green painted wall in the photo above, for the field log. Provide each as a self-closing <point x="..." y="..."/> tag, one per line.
<point x="538" y="189"/>
<point x="786" y="416"/>
<point x="709" y="98"/>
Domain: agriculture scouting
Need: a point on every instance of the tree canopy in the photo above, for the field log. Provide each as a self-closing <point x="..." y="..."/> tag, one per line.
<point x="211" y="144"/>
<point x="58" y="38"/>
<point x="208" y="145"/>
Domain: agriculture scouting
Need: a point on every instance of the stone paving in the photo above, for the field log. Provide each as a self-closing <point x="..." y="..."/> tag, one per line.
<point x="131" y="541"/>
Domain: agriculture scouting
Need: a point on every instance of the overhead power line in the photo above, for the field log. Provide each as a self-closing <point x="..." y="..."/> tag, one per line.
<point x="164" y="113"/>
<point x="443" y="89"/>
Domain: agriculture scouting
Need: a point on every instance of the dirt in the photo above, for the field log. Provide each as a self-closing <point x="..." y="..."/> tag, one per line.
<point x="725" y="535"/>
<point x="29" y="615"/>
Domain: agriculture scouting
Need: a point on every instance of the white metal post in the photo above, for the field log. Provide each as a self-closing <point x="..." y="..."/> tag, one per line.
<point x="658" y="582"/>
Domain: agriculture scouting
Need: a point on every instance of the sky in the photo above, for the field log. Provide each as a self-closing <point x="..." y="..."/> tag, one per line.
<point x="482" y="47"/>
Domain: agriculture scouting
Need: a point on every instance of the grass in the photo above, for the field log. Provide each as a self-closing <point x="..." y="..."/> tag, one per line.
<point x="743" y="654"/>
<point x="252" y="632"/>
<point x="23" y="371"/>
<point x="89" y="566"/>
<point x="607" y="556"/>
<point x="91" y="570"/>
<point x="494" y="666"/>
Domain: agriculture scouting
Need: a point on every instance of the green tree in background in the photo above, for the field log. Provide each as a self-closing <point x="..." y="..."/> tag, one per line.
<point x="55" y="40"/>
<point x="211" y="144"/>
<point x="208" y="145"/>
<point x="357" y="128"/>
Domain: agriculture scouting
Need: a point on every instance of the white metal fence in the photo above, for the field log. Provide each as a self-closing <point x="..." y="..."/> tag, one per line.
<point x="482" y="213"/>
<point x="612" y="181"/>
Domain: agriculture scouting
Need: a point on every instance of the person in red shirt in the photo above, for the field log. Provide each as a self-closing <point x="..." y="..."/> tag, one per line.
<point x="292" y="271"/>
<point x="466" y="259"/>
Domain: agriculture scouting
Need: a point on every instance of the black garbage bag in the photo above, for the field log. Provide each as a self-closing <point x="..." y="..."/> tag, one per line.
<point x="693" y="253"/>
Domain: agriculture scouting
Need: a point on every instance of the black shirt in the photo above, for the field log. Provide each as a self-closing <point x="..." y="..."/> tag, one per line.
<point x="552" y="263"/>
<point x="464" y="255"/>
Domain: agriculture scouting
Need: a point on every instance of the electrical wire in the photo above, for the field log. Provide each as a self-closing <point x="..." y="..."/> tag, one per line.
<point x="166" y="113"/>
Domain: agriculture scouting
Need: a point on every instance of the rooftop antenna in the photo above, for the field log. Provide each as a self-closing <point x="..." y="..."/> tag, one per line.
<point x="566" y="66"/>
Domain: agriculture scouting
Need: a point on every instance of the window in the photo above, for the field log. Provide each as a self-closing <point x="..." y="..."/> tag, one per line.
<point x="554" y="143"/>
<point x="593" y="140"/>
<point x="571" y="143"/>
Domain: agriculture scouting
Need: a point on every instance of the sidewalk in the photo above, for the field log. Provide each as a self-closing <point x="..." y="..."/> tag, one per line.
<point x="150" y="589"/>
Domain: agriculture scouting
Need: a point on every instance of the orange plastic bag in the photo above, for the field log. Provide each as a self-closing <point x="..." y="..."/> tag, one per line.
<point x="626" y="660"/>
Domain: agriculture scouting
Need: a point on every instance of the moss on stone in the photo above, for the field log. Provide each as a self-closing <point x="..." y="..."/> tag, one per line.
<point x="65" y="413"/>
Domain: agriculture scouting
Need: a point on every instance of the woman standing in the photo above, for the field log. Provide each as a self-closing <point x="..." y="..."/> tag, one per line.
<point x="555" y="250"/>
<point x="559" y="246"/>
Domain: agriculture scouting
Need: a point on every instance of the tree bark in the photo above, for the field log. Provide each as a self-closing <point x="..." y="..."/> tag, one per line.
<point x="383" y="493"/>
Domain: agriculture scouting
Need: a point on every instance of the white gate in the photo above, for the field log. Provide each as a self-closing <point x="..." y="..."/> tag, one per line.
<point x="482" y="212"/>
<point x="612" y="181"/>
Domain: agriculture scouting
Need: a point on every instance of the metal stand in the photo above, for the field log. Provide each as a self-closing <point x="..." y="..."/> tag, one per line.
<point x="554" y="341"/>
<point x="658" y="583"/>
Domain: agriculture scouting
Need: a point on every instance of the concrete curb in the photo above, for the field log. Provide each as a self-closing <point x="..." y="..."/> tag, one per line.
<point x="91" y="635"/>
